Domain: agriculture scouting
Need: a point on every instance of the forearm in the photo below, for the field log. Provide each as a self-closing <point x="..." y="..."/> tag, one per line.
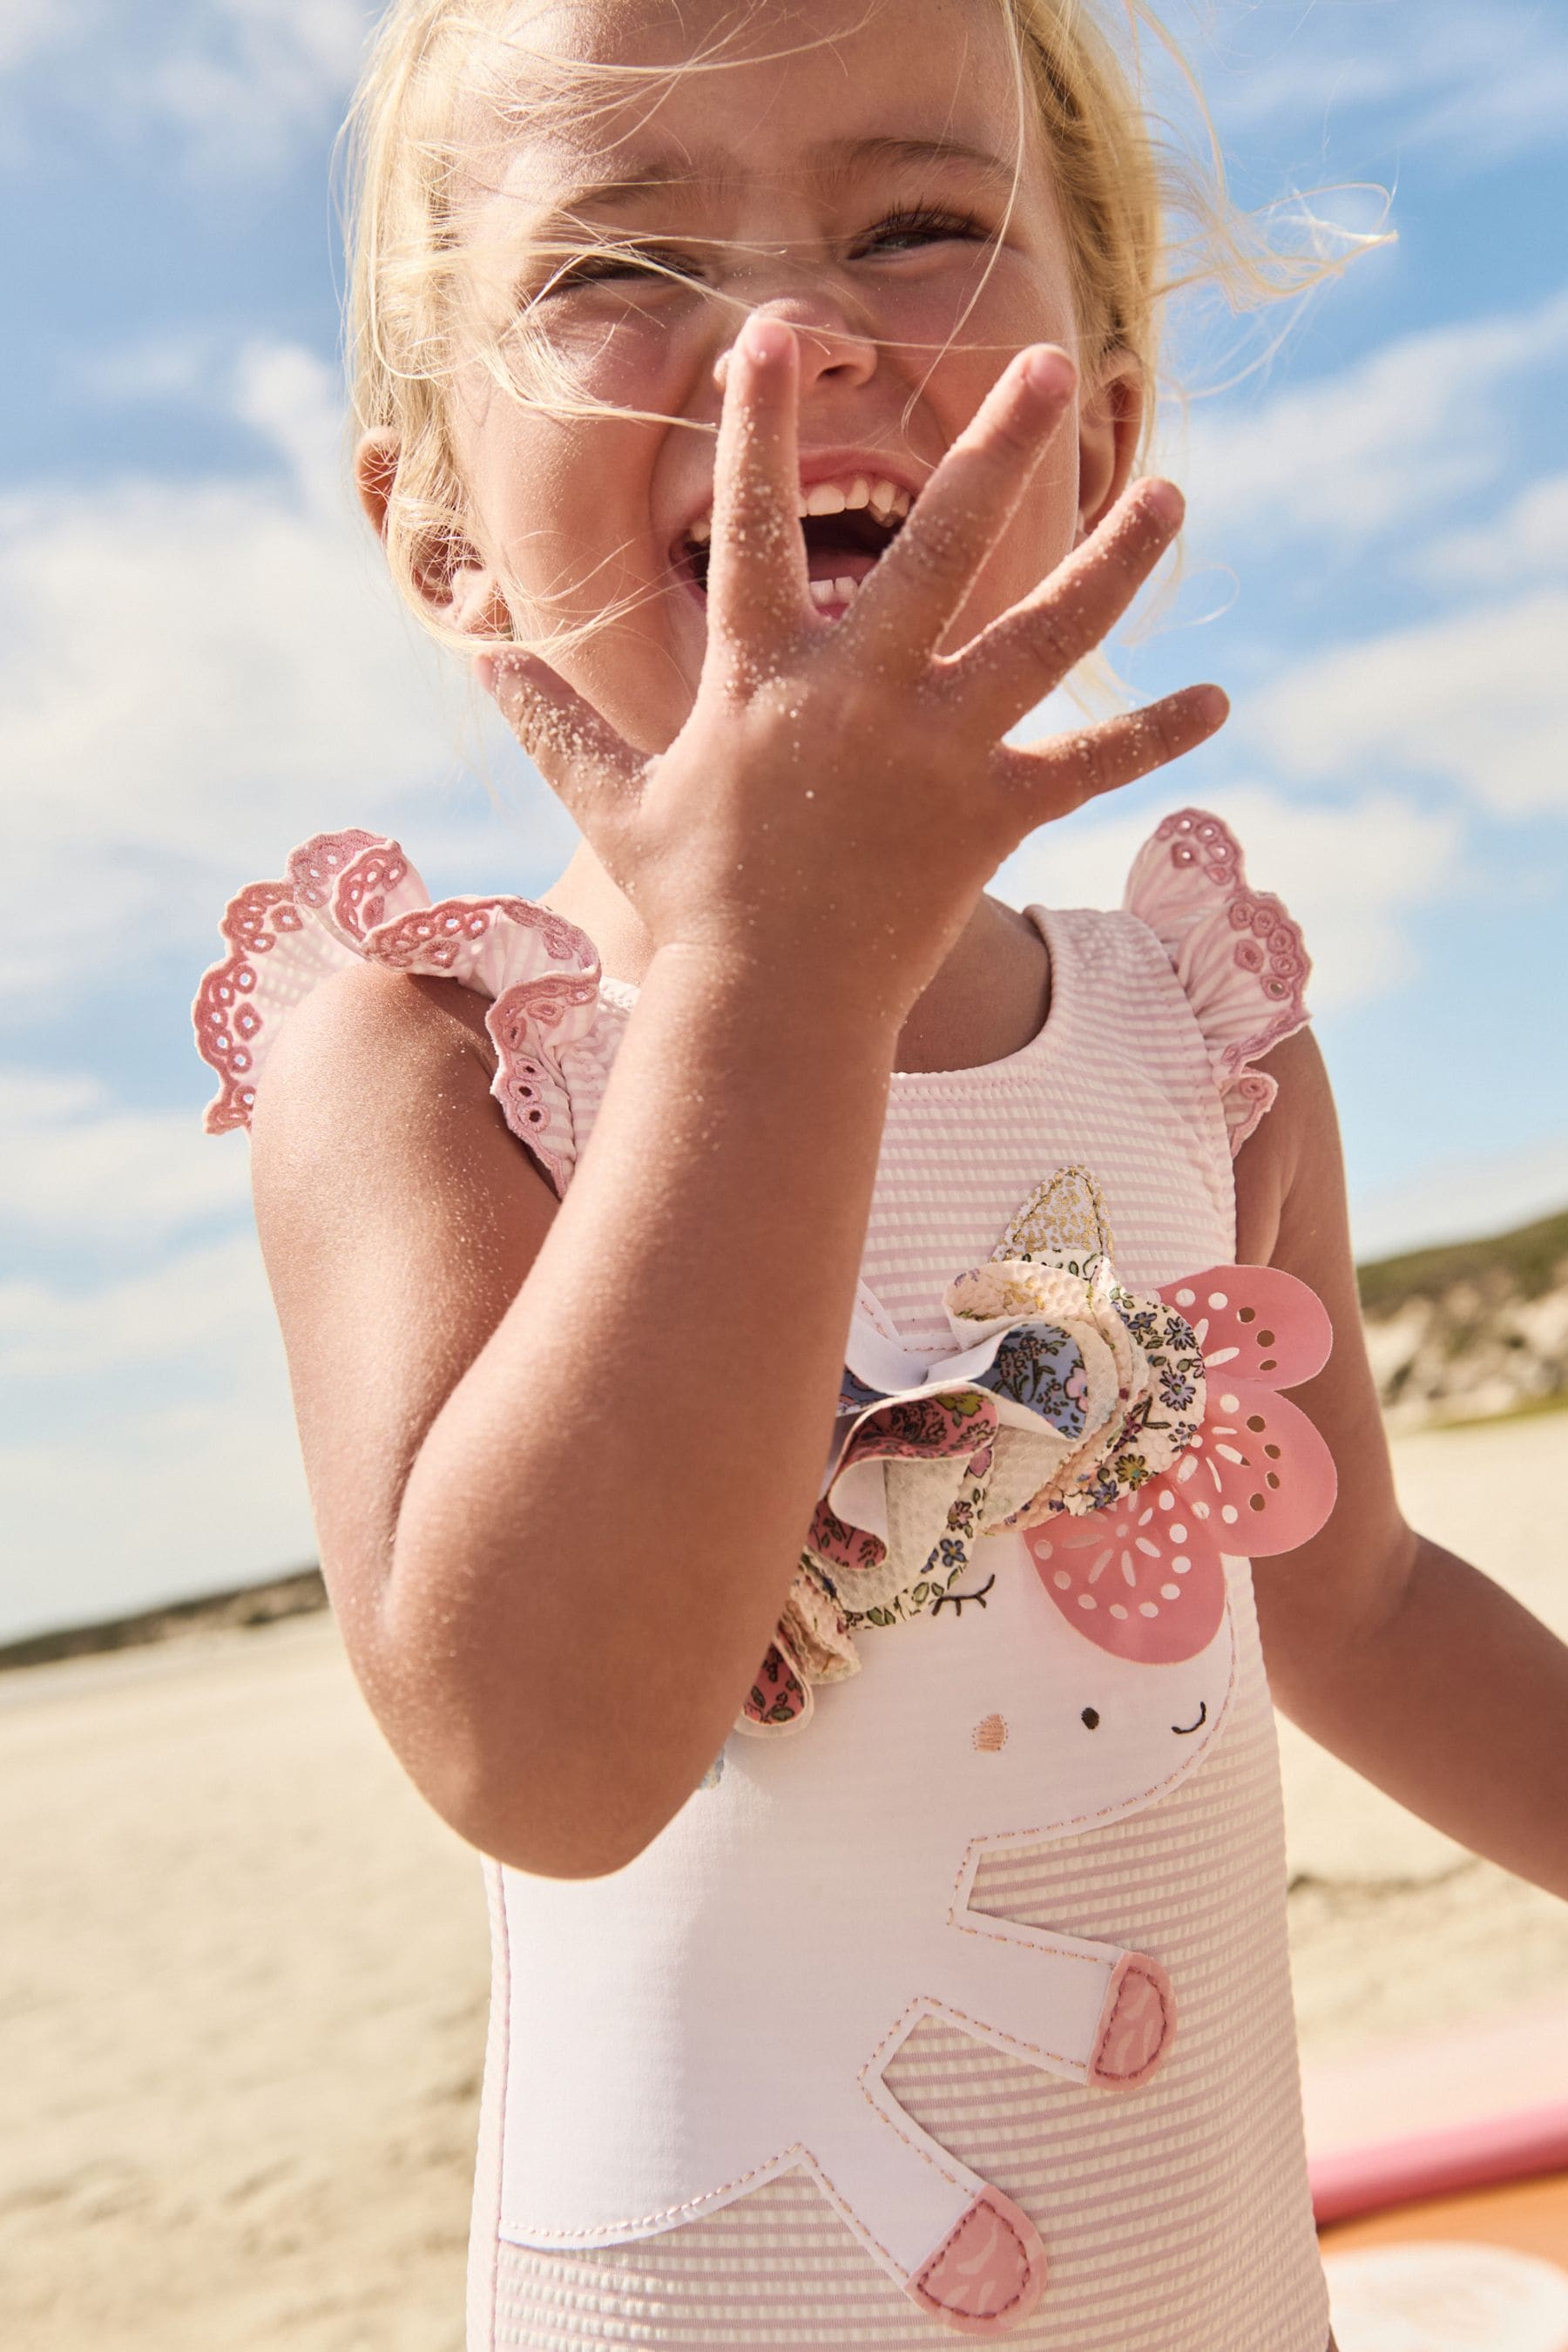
<point x="1454" y="1700"/>
<point x="600" y="1526"/>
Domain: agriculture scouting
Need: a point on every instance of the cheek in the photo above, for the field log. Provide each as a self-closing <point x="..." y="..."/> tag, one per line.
<point x="618" y="356"/>
<point x="565" y="505"/>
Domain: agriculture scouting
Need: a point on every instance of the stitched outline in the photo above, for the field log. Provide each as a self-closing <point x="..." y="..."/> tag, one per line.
<point x="921" y="2005"/>
<point x="999" y="1840"/>
<point x="957" y="2229"/>
<point x="927" y="2005"/>
<point x="1139" y="2073"/>
<point x="671" y="2217"/>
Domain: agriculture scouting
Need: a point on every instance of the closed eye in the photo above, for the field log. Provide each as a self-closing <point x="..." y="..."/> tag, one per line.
<point x="1185" y="1730"/>
<point x="929" y="224"/>
<point x="611" y="261"/>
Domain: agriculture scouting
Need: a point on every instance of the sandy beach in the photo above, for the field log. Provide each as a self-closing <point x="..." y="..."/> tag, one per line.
<point x="243" y="1973"/>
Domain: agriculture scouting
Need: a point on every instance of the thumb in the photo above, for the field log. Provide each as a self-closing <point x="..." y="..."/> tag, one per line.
<point x="586" y="761"/>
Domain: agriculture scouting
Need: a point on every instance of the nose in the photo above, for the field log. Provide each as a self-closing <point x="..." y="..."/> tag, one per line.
<point x="833" y="347"/>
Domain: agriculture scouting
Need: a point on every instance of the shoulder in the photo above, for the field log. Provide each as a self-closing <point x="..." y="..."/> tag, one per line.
<point x="1291" y="1158"/>
<point x="366" y="1050"/>
<point x="380" y="1162"/>
<point x="348" y="957"/>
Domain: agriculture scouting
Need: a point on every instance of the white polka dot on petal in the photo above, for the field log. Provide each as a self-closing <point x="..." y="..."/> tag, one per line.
<point x="1219" y="1298"/>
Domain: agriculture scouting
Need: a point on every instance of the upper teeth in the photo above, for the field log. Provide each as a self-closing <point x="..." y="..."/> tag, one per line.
<point x="886" y="500"/>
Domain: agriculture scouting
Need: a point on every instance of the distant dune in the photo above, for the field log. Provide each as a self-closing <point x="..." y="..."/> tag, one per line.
<point x="293" y="1595"/>
<point x="1472" y="1329"/>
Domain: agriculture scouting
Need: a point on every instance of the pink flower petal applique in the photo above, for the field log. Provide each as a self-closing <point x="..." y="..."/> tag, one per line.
<point x="1144" y="1575"/>
<point x="1253" y="1322"/>
<point x="1258" y="1478"/>
<point x="1139" y="1577"/>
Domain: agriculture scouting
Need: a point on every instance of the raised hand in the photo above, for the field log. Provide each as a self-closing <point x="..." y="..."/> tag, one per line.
<point x="840" y="792"/>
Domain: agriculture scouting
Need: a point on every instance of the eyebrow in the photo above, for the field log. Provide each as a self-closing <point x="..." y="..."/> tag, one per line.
<point x="831" y="164"/>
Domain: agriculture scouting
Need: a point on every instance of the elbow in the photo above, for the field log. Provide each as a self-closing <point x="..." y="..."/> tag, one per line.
<point x="543" y="1769"/>
<point x="546" y="1823"/>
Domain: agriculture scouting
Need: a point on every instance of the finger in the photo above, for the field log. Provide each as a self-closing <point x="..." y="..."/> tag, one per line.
<point x="1053" y="778"/>
<point x="586" y="762"/>
<point x="918" y="585"/>
<point x="1013" y="665"/>
<point x="757" y="590"/>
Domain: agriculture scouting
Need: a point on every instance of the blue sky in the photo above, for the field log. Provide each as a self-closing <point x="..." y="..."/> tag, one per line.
<point x="201" y="665"/>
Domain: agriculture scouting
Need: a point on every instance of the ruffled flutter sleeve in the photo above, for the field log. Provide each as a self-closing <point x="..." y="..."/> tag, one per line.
<point x="354" y="898"/>
<point x="1236" y="951"/>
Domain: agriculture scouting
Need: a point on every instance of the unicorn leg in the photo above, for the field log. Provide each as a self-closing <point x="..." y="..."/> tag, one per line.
<point x="1091" y="2012"/>
<point x="965" y="2252"/>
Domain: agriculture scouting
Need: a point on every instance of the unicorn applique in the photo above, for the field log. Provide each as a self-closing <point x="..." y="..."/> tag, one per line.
<point x="1010" y="1625"/>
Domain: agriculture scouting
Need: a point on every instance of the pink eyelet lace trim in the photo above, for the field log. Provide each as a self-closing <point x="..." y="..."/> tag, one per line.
<point x="1237" y="953"/>
<point x="353" y="896"/>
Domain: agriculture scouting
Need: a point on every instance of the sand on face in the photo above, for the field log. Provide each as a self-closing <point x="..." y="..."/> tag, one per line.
<point x="243" y="1974"/>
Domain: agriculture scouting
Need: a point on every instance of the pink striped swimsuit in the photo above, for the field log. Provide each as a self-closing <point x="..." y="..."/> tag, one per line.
<point x="956" y="2000"/>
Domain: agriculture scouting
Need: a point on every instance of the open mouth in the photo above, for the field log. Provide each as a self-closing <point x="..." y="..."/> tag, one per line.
<point x="846" y="527"/>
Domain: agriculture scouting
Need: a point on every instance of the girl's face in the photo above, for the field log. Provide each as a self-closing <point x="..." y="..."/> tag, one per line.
<point x="858" y="189"/>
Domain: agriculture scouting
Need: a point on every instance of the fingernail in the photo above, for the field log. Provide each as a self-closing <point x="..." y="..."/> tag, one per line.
<point x="485" y="673"/>
<point x="1214" y="706"/>
<point x="1048" y="372"/>
<point x="1165" y="503"/>
<point x="767" y="342"/>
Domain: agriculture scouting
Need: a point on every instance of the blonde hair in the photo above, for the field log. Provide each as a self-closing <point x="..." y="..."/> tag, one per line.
<point x="1145" y="217"/>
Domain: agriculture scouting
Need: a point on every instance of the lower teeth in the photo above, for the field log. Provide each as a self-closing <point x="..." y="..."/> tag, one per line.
<point x="832" y="591"/>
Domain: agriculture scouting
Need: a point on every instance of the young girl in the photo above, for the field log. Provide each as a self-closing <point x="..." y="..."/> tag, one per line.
<point x="792" y="1515"/>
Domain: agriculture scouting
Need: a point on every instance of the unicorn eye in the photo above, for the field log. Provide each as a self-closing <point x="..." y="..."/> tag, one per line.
<point x="1090" y="1718"/>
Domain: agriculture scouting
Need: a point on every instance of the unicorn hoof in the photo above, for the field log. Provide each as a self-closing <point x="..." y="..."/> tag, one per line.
<point x="1137" y="2025"/>
<point x="989" y="2275"/>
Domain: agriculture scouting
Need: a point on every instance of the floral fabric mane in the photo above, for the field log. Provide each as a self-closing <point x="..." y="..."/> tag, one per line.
<point x="1136" y="1438"/>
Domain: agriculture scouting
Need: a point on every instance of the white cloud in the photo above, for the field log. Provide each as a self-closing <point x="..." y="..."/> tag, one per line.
<point x="1482" y="82"/>
<point x="79" y="1169"/>
<point x="229" y="86"/>
<point x="1349" y="874"/>
<point x="1478" y="698"/>
<point x="170" y="1465"/>
<point x="1528" y="542"/>
<point x="30" y="29"/>
<point x="190" y="1315"/>
<point x="193" y="676"/>
<point x="1386" y="441"/>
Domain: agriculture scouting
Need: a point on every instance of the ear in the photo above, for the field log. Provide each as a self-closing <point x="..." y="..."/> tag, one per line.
<point x="1111" y="417"/>
<point x="453" y="580"/>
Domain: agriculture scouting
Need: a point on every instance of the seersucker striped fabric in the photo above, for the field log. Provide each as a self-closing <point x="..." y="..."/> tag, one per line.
<point x="1177" y="2220"/>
